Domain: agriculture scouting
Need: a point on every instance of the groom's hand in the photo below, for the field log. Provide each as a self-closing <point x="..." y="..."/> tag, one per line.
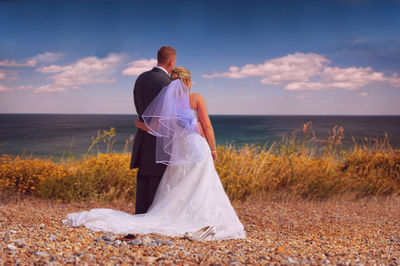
<point x="138" y="123"/>
<point x="141" y="125"/>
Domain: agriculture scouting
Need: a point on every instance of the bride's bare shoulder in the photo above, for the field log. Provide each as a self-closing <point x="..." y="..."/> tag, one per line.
<point x="196" y="96"/>
<point x="196" y="99"/>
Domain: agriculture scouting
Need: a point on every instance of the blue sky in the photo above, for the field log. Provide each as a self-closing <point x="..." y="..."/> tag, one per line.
<point x="246" y="57"/>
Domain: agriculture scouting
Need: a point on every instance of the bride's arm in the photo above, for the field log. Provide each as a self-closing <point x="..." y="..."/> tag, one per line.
<point x="206" y="125"/>
<point x="141" y="125"/>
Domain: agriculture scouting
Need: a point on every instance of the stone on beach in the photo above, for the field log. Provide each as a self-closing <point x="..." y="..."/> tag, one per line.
<point x="299" y="232"/>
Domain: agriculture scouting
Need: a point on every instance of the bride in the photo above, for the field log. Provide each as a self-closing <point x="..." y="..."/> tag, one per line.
<point x="190" y="200"/>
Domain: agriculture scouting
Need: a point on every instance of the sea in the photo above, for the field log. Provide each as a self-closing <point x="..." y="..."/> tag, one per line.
<point x="70" y="135"/>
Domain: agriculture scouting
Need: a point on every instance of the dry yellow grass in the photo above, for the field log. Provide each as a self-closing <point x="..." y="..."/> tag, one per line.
<point x="105" y="177"/>
<point x="302" y="167"/>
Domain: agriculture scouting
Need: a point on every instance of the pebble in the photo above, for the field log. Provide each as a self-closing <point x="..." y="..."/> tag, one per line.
<point x="11" y="247"/>
<point x="290" y="260"/>
<point x="39" y="253"/>
<point x="168" y="242"/>
<point x="146" y="240"/>
<point x="20" y="243"/>
<point x="277" y="233"/>
<point x="107" y="238"/>
<point x="152" y="244"/>
<point x="136" y="241"/>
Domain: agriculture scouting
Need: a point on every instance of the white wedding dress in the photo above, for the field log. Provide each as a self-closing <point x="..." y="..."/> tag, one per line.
<point x="188" y="198"/>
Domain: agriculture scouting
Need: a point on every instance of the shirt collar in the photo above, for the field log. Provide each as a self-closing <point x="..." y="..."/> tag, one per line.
<point x="163" y="69"/>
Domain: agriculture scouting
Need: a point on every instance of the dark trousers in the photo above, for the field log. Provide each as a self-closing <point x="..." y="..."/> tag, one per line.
<point x="146" y="187"/>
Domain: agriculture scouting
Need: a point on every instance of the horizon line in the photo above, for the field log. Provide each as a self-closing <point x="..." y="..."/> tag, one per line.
<point x="209" y="114"/>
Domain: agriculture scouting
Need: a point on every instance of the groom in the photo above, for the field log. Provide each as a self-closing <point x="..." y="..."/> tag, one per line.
<point x="147" y="86"/>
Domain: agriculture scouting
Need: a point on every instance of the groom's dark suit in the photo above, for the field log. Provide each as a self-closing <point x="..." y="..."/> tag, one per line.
<point x="147" y="86"/>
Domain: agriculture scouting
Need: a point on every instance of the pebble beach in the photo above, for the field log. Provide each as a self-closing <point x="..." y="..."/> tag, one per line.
<point x="339" y="232"/>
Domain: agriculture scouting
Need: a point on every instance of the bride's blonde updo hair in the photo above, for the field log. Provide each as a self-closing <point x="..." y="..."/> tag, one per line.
<point x="181" y="73"/>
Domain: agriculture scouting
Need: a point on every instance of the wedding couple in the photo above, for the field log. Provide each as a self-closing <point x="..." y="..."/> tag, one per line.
<point x="179" y="192"/>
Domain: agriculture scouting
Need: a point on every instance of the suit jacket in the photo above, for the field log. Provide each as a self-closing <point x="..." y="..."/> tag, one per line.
<point x="147" y="86"/>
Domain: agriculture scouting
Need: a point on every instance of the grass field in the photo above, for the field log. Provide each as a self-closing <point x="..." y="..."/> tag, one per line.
<point x="300" y="165"/>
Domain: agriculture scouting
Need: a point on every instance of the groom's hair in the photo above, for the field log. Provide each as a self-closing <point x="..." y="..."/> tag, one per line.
<point x="165" y="53"/>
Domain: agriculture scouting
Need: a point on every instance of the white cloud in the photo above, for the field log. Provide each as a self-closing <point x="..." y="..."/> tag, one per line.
<point x="394" y="80"/>
<point x="363" y="94"/>
<point x="14" y="63"/>
<point x="302" y="86"/>
<point x="48" y="57"/>
<point x="240" y="90"/>
<point x="300" y="97"/>
<point x="293" y="67"/>
<point x="8" y="75"/>
<point x="5" y="88"/>
<point x="301" y="72"/>
<point x="89" y="70"/>
<point x="2" y="74"/>
<point x="280" y="97"/>
<point x="50" y="69"/>
<point x="49" y="88"/>
<point x="351" y="78"/>
<point x="137" y="67"/>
